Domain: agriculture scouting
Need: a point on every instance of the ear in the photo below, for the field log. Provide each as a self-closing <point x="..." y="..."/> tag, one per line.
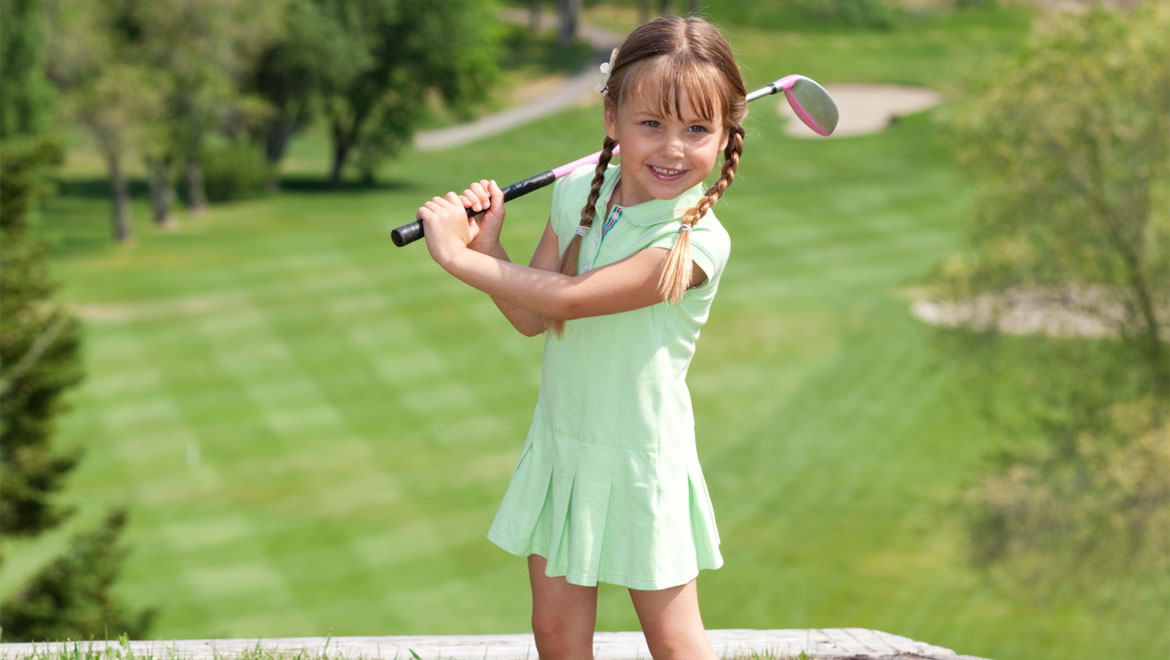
<point x="610" y="120"/>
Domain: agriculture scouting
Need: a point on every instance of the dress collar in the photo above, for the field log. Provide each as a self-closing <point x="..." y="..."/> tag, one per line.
<point x="651" y="212"/>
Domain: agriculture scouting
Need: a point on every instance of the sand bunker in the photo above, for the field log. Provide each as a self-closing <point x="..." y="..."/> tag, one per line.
<point x="866" y="108"/>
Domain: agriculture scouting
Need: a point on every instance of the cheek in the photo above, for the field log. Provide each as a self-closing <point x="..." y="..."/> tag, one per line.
<point x="709" y="156"/>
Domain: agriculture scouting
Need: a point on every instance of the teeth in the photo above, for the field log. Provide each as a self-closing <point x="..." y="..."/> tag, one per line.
<point x="665" y="172"/>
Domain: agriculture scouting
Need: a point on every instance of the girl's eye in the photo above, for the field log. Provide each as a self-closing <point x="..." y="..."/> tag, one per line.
<point x="651" y="123"/>
<point x="698" y="129"/>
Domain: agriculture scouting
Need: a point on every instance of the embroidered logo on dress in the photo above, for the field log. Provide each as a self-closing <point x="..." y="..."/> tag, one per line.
<point x="614" y="216"/>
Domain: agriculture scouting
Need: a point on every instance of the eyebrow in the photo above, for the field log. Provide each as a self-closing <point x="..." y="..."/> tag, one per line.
<point x="656" y="113"/>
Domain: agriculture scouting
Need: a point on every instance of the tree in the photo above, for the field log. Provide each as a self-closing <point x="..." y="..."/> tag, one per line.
<point x="70" y="598"/>
<point x="1068" y="145"/>
<point x="398" y="53"/>
<point x="308" y="51"/>
<point x="39" y="342"/>
<point x="39" y="362"/>
<point x="106" y="88"/>
<point x="25" y="93"/>
<point x="204" y="51"/>
<point x="570" y="16"/>
<point x="38" y="350"/>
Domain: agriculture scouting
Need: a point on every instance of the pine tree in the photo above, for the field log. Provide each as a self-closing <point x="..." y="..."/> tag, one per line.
<point x="39" y="346"/>
<point x="40" y="361"/>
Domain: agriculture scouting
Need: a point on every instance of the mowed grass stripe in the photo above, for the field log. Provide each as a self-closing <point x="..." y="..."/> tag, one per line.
<point x="298" y="560"/>
<point x="809" y="513"/>
<point x="291" y="406"/>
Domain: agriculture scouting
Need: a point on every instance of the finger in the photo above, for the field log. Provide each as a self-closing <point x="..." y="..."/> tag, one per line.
<point x="473" y="200"/>
<point x="480" y="191"/>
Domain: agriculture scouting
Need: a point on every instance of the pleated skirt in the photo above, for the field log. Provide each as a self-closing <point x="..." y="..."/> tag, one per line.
<point x="639" y="518"/>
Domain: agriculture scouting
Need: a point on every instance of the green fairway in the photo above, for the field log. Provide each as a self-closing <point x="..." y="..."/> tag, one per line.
<point x="312" y="429"/>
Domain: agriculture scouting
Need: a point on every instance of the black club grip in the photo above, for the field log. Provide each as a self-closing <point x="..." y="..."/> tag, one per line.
<point x="413" y="231"/>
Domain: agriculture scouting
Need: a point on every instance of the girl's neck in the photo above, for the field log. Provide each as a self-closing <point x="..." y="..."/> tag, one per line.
<point x="615" y="196"/>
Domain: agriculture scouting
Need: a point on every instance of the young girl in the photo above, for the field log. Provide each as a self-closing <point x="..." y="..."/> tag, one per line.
<point x="608" y="486"/>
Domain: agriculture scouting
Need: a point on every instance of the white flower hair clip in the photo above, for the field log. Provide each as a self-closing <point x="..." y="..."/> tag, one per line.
<point x="606" y="69"/>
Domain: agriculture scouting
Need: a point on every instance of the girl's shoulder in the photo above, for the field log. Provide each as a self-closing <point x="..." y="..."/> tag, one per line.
<point x="570" y="193"/>
<point x="709" y="240"/>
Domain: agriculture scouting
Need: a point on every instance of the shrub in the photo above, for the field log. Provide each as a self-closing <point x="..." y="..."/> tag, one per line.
<point x="232" y="170"/>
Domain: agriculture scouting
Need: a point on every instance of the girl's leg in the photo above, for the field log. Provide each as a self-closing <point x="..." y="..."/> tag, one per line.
<point x="563" y="615"/>
<point x="671" y="622"/>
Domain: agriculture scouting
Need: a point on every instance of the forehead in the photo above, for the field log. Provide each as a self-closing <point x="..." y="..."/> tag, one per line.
<point x="684" y="90"/>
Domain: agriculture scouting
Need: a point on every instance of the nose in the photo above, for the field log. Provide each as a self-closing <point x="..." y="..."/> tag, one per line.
<point x="672" y="146"/>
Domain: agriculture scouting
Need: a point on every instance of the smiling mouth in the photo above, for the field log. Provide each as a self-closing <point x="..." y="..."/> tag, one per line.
<point x="663" y="172"/>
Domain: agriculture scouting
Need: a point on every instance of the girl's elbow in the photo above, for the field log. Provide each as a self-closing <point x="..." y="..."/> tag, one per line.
<point x="564" y="308"/>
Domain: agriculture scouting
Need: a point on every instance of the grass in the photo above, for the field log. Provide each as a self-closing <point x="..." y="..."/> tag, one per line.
<point x="313" y="429"/>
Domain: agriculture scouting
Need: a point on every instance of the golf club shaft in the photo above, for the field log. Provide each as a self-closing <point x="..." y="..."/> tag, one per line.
<point x="413" y="231"/>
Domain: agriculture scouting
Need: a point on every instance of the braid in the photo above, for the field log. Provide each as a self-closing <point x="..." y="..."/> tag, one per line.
<point x="573" y="251"/>
<point x="589" y="211"/>
<point x="676" y="275"/>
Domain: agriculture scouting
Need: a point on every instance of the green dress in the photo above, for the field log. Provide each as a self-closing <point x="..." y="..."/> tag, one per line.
<point x="608" y="486"/>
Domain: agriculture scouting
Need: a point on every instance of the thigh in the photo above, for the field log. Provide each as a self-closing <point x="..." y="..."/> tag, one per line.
<point x="565" y="611"/>
<point x="671" y="622"/>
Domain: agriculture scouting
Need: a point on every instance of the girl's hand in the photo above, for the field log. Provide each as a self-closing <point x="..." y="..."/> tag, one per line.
<point x="446" y="226"/>
<point x="487" y="195"/>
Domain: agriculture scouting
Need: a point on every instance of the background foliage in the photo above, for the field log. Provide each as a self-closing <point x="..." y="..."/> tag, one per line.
<point x="40" y="361"/>
<point x="1068" y="142"/>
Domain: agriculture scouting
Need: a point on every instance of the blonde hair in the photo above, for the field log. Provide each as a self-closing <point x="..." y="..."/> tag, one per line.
<point x="659" y="61"/>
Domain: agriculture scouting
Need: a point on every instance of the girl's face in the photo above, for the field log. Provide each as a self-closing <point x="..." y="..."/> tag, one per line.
<point x="663" y="155"/>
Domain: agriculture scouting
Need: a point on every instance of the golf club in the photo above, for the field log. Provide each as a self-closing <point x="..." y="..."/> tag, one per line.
<point x="811" y="103"/>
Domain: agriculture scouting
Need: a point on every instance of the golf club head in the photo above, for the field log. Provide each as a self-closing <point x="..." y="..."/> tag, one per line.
<point x="810" y="102"/>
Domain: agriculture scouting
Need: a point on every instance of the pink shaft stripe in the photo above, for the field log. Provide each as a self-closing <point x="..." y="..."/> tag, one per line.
<point x="591" y="159"/>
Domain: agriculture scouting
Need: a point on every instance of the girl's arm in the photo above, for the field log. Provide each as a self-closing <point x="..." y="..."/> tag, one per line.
<point x="486" y="195"/>
<point x="622" y="286"/>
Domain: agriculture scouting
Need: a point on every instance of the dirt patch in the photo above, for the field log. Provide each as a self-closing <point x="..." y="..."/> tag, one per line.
<point x="865" y="108"/>
<point x="194" y="306"/>
<point x="1072" y="311"/>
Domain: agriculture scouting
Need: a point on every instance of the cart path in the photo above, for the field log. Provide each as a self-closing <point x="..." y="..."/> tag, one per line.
<point x="864" y="108"/>
<point x="568" y="94"/>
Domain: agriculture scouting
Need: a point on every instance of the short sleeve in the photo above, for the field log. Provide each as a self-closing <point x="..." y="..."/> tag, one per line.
<point x="710" y="245"/>
<point x="569" y="194"/>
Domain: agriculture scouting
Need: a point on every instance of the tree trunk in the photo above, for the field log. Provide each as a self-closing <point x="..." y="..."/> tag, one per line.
<point x="120" y="197"/>
<point x="534" y="16"/>
<point x="196" y="193"/>
<point x="692" y="7"/>
<point x="667" y="7"/>
<point x="340" y="151"/>
<point x="161" y="192"/>
<point x="570" y="9"/>
<point x="275" y="141"/>
<point x="643" y="11"/>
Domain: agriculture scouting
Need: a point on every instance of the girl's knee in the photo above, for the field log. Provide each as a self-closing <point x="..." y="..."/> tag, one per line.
<point x="560" y="639"/>
<point x="680" y="647"/>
